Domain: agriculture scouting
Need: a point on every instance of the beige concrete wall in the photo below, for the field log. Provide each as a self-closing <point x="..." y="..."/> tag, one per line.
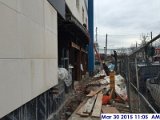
<point x="28" y="51"/>
<point x="77" y="12"/>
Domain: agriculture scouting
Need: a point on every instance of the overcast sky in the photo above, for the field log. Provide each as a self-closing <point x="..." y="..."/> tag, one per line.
<point x="125" y="20"/>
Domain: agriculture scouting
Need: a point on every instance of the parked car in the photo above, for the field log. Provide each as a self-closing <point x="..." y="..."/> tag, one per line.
<point x="153" y="88"/>
<point x="156" y="58"/>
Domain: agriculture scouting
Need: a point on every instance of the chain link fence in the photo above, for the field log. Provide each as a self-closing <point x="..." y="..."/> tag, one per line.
<point x="139" y="66"/>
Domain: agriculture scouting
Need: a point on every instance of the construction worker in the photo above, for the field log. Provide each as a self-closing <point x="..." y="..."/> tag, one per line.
<point x="106" y="69"/>
<point x="115" y="60"/>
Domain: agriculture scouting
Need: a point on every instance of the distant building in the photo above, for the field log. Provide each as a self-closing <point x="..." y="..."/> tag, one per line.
<point x="157" y="51"/>
<point x="156" y="57"/>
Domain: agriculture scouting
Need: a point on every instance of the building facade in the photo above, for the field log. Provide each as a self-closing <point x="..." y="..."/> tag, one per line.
<point x="28" y="57"/>
<point x="74" y="33"/>
<point x="37" y="36"/>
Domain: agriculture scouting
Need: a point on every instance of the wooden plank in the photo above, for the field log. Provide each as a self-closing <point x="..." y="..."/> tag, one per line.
<point x="112" y="83"/>
<point x="94" y="82"/>
<point x="92" y="93"/>
<point x="106" y="109"/>
<point x="111" y="94"/>
<point x="80" y="105"/>
<point x="97" y="107"/>
<point x="89" y="105"/>
<point x="80" y="109"/>
<point x="74" y="45"/>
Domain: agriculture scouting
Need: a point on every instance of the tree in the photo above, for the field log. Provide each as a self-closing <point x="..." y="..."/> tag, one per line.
<point x="144" y="38"/>
<point x="132" y="48"/>
<point x="123" y="51"/>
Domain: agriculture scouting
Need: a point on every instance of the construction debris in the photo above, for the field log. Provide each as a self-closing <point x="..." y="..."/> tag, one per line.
<point x="89" y="105"/>
<point x="109" y="109"/>
<point x="97" y="107"/>
<point x="104" y="93"/>
<point x="92" y="93"/>
<point x="81" y="108"/>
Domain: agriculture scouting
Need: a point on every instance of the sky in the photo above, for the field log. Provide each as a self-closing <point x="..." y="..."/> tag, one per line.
<point x="124" y="21"/>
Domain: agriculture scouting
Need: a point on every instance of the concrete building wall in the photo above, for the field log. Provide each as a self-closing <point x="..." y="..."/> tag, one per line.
<point x="77" y="10"/>
<point x="28" y="51"/>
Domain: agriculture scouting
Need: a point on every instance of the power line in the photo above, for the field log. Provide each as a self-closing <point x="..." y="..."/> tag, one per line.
<point x="138" y="35"/>
<point x="120" y="36"/>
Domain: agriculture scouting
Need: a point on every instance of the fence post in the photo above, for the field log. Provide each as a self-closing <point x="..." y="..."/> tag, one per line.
<point x="137" y="80"/>
<point x="128" y="82"/>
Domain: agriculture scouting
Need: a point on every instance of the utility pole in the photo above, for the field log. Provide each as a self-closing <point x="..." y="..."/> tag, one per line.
<point x="151" y="38"/>
<point x="96" y="34"/>
<point x="136" y="44"/>
<point x="97" y="46"/>
<point x="106" y="45"/>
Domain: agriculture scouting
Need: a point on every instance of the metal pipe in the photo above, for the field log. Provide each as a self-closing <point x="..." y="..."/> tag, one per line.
<point x="154" y="39"/>
<point x="149" y="105"/>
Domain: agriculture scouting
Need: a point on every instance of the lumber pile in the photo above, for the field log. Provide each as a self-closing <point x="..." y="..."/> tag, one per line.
<point x="97" y="107"/>
<point x="102" y="97"/>
<point x="99" y="82"/>
<point x="92" y="107"/>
